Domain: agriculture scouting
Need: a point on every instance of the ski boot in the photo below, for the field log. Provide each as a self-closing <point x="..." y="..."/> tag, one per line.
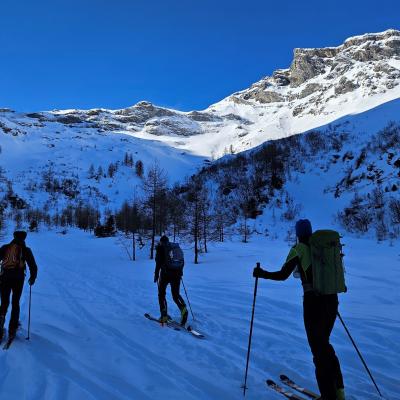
<point x="12" y="332"/>
<point x="2" y="319"/>
<point x="164" y="318"/>
<point x="340" y="394"/>
<point x="184" y="316"/>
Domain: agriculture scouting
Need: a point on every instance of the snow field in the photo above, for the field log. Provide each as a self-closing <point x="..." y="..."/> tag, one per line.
<point x="89" y="339"/>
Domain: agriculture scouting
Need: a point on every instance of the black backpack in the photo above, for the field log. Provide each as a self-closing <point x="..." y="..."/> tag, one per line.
<point x="175" y="257"/>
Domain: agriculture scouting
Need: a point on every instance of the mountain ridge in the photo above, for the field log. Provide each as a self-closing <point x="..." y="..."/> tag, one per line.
<point x="321" y="85"/>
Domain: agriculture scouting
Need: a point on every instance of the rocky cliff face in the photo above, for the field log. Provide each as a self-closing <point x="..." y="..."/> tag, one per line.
<point x="320" y="86"/>
<point x="375" y="51"/>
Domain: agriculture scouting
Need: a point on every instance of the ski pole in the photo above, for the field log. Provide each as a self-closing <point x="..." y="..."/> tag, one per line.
<point x="251" y="333"/>
<point x="29" y="314"/>
<point x="187" y="297"/>
<point x="359" y="354"/>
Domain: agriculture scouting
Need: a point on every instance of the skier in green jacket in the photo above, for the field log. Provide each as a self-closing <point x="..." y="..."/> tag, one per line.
<point x="319" y="313"/>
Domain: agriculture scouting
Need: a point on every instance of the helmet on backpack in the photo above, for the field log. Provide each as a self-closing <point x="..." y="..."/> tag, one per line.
<point x="303" y="228"/>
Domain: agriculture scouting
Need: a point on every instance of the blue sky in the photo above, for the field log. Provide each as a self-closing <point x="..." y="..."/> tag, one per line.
<point x="181" y="54"/>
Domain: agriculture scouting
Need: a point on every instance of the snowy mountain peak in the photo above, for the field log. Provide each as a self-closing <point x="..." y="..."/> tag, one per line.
<point x="373" y="37"/>
<point x="331" y="63"/>
<point x="320" y="86"/>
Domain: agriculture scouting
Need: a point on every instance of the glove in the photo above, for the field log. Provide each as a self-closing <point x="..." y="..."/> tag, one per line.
<point x="31" y="281"/>
<point x="259" y="273"/>
<point x="155" y="278"/>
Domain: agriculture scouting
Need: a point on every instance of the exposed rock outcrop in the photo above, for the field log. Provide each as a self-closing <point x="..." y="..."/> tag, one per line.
<point x="361" y="63"/>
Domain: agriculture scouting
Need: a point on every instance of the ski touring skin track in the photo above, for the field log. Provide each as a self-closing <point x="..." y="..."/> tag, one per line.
<point x="287" y="381"/>
<point x="287" y="393"/>
<point x="176" y="326"/>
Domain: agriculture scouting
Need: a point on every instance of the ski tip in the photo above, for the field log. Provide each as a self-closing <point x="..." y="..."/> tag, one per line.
<point x="270" y="382"/>
<point x="283" y="377"/>
<point x="195" y="333"/>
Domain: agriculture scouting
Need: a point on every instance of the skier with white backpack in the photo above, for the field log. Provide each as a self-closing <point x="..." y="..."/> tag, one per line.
<point x="317" y="258"/>
<point x="169" y="270"/>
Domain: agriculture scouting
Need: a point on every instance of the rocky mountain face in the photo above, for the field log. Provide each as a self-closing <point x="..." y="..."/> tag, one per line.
<point x="320" y="86"/>
<point x="333" y="65"/>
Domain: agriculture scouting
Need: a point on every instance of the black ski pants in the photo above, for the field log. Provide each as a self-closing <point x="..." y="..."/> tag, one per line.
<point x="11" y="283"/>
<point x="175" y="281"/>
<point x="319" y="318"/>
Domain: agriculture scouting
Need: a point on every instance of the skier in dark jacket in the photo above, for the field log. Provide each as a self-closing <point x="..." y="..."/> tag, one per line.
<point x="164" y="276"/>
<point x="319" y="313"/>
<point x="13" y="257"/>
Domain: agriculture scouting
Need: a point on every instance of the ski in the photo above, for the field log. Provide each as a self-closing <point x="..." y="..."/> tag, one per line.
<point x="194" y="332"/>
<point x="168" y="324"/>
<point x="287" y="381"/>
<point x="8" y="343"/>
<point x="176" y="326"/>
<point x="188" y="329"/>
<point x="288" y="394"/>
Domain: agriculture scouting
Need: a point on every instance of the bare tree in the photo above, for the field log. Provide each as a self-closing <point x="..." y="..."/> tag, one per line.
<point x="194" y="212"/>
<point x="394" y="210"/>
<point x="112" y="169"/>
<point x="91" y="172"/>
<point x="100" y="173"/>
<point x="154" y="185"/>
<point x="246" y="204"/>
<point x="222" y="215"/>
<point x="176" y="211"/>
<point x="139" y="169"/>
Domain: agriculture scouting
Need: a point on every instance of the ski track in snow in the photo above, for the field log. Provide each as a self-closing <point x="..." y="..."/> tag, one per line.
<point x="89" y="339"/>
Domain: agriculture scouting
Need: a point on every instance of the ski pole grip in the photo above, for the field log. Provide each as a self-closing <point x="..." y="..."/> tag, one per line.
<point x="258" y="265"/>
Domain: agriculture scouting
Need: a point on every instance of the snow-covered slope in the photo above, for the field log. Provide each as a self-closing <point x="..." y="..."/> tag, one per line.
<point x="344" y="174"/>
<point x="34" y="148"/>
<point x="89" y="339"/>
<point x="321" y="86"/>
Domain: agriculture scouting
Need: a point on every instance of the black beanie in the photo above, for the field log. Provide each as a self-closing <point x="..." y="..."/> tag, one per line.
<point x="303" y="228"/>
<point x="20" y="235"/>
<point x="164" y="239"/>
